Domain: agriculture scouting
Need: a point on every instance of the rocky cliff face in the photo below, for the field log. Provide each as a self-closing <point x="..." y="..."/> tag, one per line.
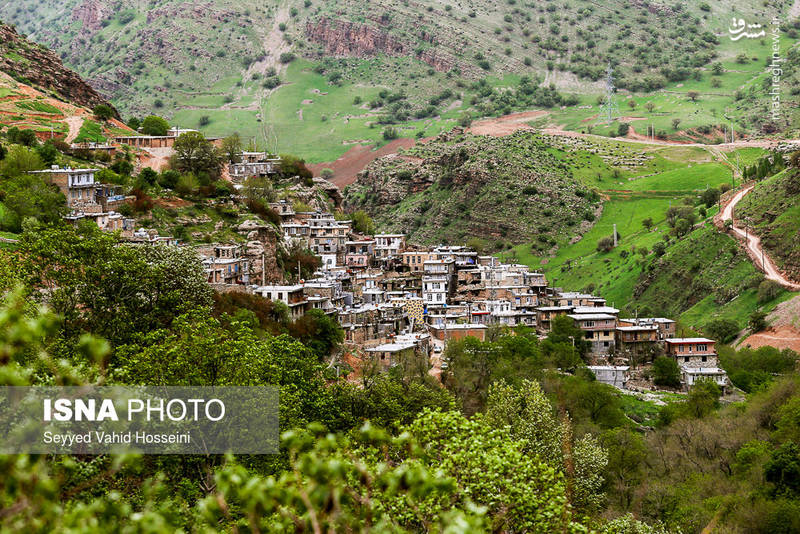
<point x="90" y="14"/>
<point x="348" y="39"/>
<point x="37" y="66"/>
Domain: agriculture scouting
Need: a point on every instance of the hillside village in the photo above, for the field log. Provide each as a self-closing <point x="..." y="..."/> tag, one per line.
<point x="393" y="298"/>
<point x="470" y="293"/>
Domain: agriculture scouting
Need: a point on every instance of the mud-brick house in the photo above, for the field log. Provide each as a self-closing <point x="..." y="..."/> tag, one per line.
<point x="389" y="354"/>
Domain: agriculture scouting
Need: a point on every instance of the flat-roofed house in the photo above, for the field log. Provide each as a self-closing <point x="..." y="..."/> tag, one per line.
<point x="613" y="375"/>
<point x="598" y="329"/>
<point x="692" y="351"/>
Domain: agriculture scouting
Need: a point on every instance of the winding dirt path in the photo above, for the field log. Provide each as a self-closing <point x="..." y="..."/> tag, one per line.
<point x="753" y="244"/>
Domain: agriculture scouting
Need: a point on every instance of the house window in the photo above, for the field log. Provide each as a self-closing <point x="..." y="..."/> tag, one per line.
<point x="685" y="358"/>
<point x="605" y="343"/>
<point x="705" y="358"/>
<point x="702" y="348"/>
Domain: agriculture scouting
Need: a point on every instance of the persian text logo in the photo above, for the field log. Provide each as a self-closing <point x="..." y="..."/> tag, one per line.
<point x="738" y="27"/>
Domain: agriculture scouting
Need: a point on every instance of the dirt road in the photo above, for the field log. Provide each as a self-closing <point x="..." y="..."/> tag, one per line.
<point x="753" y="244"/>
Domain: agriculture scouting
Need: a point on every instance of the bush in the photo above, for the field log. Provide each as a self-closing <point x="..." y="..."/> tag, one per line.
<point x="605" y="244"/>
<point x="666" y="372"/>
<point x="758" y="321"/>
<point x="723" y="330"/>
<point x="286" y="57"/>
<point x="390" y="133"/>
<point x="103" y="112"/>
<point x="204" y="120"/>
<point x="768" y="290"/>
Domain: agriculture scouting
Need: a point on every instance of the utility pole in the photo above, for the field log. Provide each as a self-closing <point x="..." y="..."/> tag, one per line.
<point x="615" y="235"/>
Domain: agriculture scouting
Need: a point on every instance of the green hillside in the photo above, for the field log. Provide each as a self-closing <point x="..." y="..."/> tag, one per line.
<point x="773" y="208"/>
<point x="701" y="275"/>
<point x="286" y="72"/>
<point x="459" y="187"/>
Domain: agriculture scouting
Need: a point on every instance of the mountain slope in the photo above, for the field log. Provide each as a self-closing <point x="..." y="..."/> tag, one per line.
<point x="460" y="186"/>
<point x="34" y="65"/>
<point x="216" y="63"/>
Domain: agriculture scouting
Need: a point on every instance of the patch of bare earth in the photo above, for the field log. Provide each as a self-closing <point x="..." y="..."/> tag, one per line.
<point x="784" y="332"/>
<point x="507" y="124"/>
<point x="346" y="168"/>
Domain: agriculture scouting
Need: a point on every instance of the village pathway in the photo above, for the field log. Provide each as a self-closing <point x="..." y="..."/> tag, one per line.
<point x="74" y="124"/>
<point x="753" y="243"/>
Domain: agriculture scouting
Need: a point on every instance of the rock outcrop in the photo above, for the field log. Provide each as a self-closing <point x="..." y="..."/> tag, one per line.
<point x="348" y="39"/>
<point x="35" y="65"/>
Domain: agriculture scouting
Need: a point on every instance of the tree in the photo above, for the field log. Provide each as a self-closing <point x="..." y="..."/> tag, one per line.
<point x="758" y="321"/>
<point x="627" y="454"/>
<point x="659" y="248"/>
<point x="389" y="133"/>
<point x="318" y="331"/>
<point x="783" y="470"/>
<point x="29" y="196"/>
<point x="97" y="285"/>
<point x="48" y="152"/>
<point x="647" y="223"/>
<point x="666" y="372"/>
<point x="632" y="104"/>
<point x="103" y="112"/>
<point x="682" y="227"/>
<point x="232" y="148"/>
<point x="19" y="161"/>
<point x="693" y="95"/>
<point x="362" y="222"/>
<point x="168" y="179"/>
<point x="703" y="398"/>
<point x="259" y="189"/>
<point x="623" y="129"/>
<point x="134" y="123"/>
<point x="650" y="106"/>
<point x="710" y="196"/>
<point x="21" y="137"/>
<point x="154" y="125"/>
<point x="563" y="332"/>
<point x="148" y="177"/>
<point x="675" y="122"/>
<point x="326" y="173"/>
<point x="529" y="416"/>
<point x="768" y="290"/>
<point x="3" y="152"/>
<point x="717" y="69"/>
<point x="723" y="330"/>
<point x="194" y="154"/>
